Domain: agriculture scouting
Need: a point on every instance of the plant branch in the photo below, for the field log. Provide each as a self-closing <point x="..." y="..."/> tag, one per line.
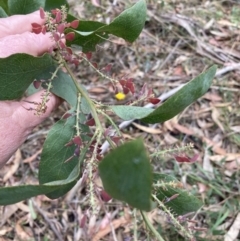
<point x="91" y="105"/>
<point x="173" y="219"/>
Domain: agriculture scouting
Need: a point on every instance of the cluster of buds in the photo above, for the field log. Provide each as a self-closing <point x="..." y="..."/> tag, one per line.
<point x="56" y="23"/>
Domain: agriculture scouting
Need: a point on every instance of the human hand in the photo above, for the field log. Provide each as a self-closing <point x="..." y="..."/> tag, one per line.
<point x="16" y="122"/>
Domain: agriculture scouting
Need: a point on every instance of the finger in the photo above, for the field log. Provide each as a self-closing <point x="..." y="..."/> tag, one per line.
<point x="28" y="116"/>
<point x="18" y="24"/>
<point x="28" y="43"/>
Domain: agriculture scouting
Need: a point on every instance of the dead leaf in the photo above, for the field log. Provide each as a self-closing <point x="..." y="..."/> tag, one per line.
<point x="122" y="221"/>
<point x="214" y="42"/>
<point x="178" y="70"/>
<point x="233" y="232"/>
<point x="96" y="3"/>
<point x="235" y="128"/>
<point x="9" y="210"/>
<point x="33" y="157"/>
<point x="202" y="188"/>
<point x="183" y="129"/>
<point x="4" y="231"/>
<point x="13" y="168"/>
<point x="146" y="129"/>
<point x="233" y="165"/>
<point x="207" y="165"/>
<point x="23" y="207"/>
<point x="215" y="117"/>
<point x="98" y="90"/>
<point x="225" y="22"/>
<point x="212" y="97"/>
<point x="20" y="232"/>
<point x="227" y="157"/>
<point x="170" y="140"/>
<point x="168" y="125"/>
<point x="215" y="146"/>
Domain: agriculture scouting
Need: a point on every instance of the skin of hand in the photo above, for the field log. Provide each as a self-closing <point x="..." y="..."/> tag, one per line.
<point x="16" y="120"/>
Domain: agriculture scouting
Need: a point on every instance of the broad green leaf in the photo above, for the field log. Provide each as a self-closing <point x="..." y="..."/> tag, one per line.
<point x="85" y="26"/>
<point x="127" y="112"/>
<point x="127" y="175"/>
<point x="182" y="204"/>
<point x="129" y="24"/>
<point x="2" y="13"/>
<point x="52" y="4"/>
<point x="87" y="41"/>
<point x="11" y="195"/>
<point x="52" y="165"/>
<point x="64" y="87"/>
<point x="18" y="71"/>
<point x="4" y="7"/>
<point x="24" y="6"/>
<point x="183" y="98"/>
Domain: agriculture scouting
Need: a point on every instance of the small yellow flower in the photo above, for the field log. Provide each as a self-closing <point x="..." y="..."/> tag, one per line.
<point x="120" y="96"/>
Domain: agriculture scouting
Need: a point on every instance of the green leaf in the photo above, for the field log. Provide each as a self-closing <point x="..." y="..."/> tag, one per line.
<point x="11" y="195"/>
<point x="52" y="4"/>
<point x="85" y="26"/>
<point x="131" y="112"/>
<point x="3" y="13"/>
<point x="86" y="41"/>
<point x="85" y="108"/>
<point x="52" y="165"/>
<point x="129" y="24"/>
<point x="18" y="71"/>
<point x="127" y="175"/>
<point x="182" y="204"/>
<point x="24" y="6"/>
<point x="4" y="8"/>
<point x="183" y="98"/>
<point x="64" y="87"/>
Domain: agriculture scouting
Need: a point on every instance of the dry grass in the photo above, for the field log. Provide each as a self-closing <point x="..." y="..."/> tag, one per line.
<point x="181" y="39"/>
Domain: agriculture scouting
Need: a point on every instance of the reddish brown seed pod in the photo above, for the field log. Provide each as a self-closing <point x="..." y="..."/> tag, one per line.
<point x="154" y="101"/>
<point x="70" y="36"/>
<point x="42" y="13"/>
<point x="37" y="84"/>
<point x="58" y="17"/>
<point x="88" y="55"/>
<point x="36" y="28"/>
<point x="77" y="140"/>
<point x="105" y="196"/>
<point x="60" y="28"/>
<point x="90" y="122"/>
<point x="74" y="23"/>
<point x="108" y="67"/>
